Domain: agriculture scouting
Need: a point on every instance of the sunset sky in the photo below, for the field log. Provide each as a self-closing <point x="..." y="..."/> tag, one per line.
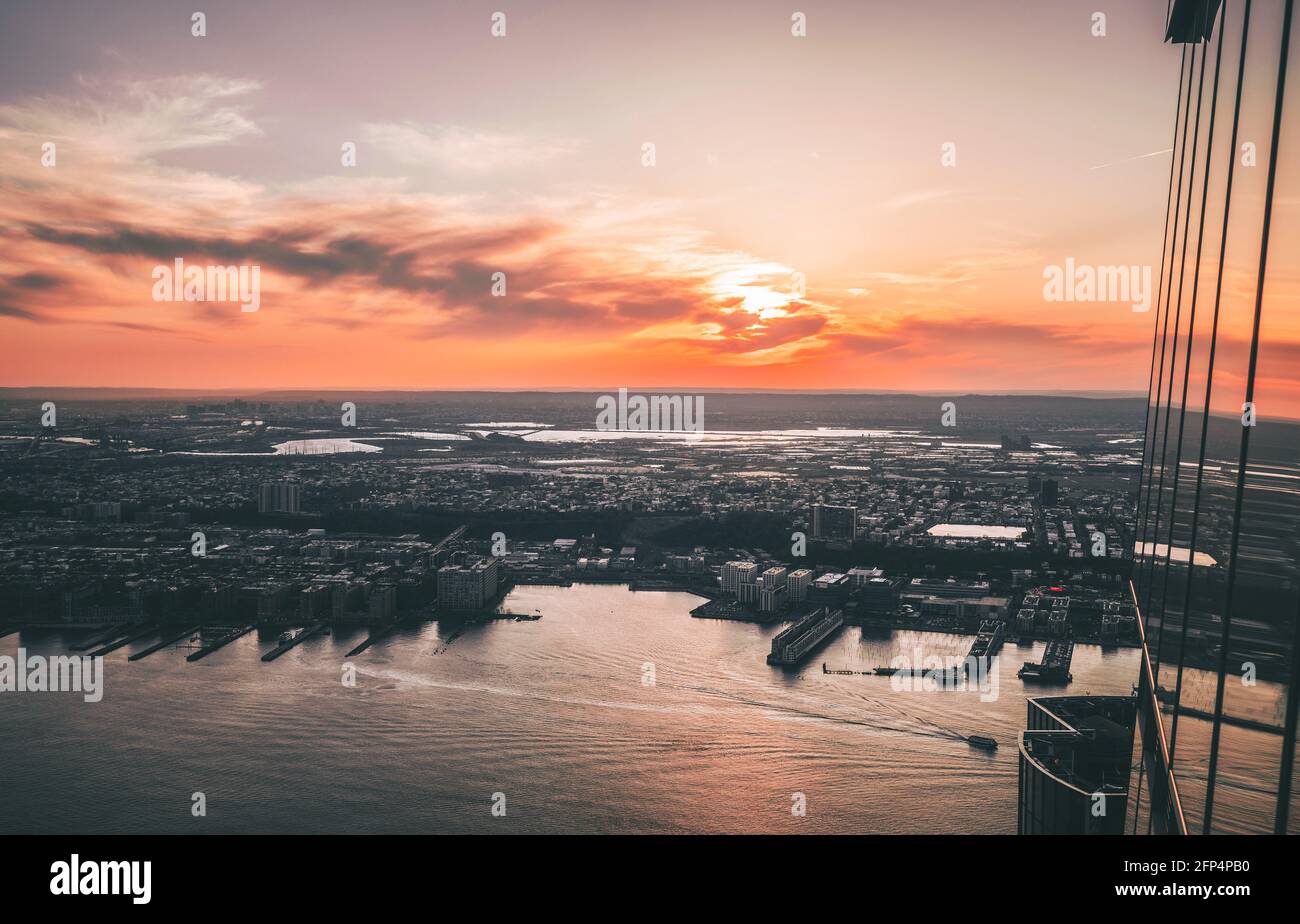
<point x="523" y="155"/>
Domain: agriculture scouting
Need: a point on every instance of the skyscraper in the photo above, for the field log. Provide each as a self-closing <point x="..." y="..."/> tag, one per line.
<point x="1075" y="765"/>
<point x="278" y="497"/>
<point x="838" y="523"/>
<point x="1216" y="576"/>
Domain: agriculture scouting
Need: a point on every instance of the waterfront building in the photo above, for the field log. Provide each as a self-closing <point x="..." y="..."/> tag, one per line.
<point x="878" y="595"/>
<point x="382" y="602"/>
<point x="831" y="589"/>
<point x="772" y="578"/>
<point x="772" y="599"/>
<point x="860" y="576"/>
<point x="792" y="644"/>
<point x="468" y="586"/>
<point x="797" y="583"/>
<point x="735" y="573"/>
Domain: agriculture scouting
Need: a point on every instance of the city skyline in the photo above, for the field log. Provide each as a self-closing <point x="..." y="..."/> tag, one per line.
<point x="587" y="418"/>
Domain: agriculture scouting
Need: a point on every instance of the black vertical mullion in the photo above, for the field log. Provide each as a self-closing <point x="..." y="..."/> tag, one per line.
<point x="1187" y="357"/>
<point x="1173" y="359"/>
<point x="1145" y="514"/>
<point x="1166" y="247"/>
<point x="1209" y="377"/>
<point x="1293" y="688"/>
<point x="1288" y="733"/>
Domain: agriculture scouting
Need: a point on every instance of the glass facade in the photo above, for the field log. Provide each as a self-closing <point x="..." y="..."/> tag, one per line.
<point x="1216" y="568"/>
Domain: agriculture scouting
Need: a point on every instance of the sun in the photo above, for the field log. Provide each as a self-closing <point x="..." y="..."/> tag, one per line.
<point x="764" y="289"/>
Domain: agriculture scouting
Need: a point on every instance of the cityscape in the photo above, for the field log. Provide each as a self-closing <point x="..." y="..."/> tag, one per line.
<point x="455" y="480"/>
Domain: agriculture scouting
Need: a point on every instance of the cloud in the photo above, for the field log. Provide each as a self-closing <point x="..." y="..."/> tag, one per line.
<point x="368" y="263"/>
<point x="35" y="280"/>
<point x="128" y="120"/>
<point x="339" y="254"/>
<point x="907" y="200"/>
<point x="462" y="150"/>
<point x="10" y="311"/>
<point x="959" y="339"/>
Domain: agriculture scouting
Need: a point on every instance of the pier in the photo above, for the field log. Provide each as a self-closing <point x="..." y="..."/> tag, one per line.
<point x="846" y="673"/>
<point x="987" y="643"/>
<point x="99" y="638"/>
<point x="375" y="635"/>
<point x="733" y="611"/>
<point x="124" y="640"/>
<point x="1055" y="666"/>
<point x="296" y="640"/>
<point x="504" y="614"/>
<point x="169" y="640"/>
<point x="220" y="643"/>
<point x="795" y="642"/>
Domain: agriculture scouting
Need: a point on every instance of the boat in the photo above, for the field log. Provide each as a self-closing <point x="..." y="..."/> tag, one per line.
<point x="286" y="637"/>
<point x="982" y="742"/>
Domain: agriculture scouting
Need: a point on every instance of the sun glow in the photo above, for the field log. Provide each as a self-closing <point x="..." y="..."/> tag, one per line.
<point x="755" y="288"/>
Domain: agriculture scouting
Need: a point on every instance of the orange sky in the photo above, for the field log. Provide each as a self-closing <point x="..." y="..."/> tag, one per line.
<point x="523" y="155"/>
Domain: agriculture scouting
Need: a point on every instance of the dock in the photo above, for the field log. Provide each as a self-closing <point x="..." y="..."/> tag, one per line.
<point x="795" y="642"/>
<point x="124" y="640"/>
<point x="1055" y="666"/>
<point x="944" y="678"/>
<point x="220" y="643"/>
<point x="733" y="611"/>
<point x="846" y="673"/>
<point x="296" y="640"/>
<point x="517" y="617"/>
<point x="657" y="583"/>
<point x="99" y="638"/>
<point x="987" y="644"/>
<point x="169" y="640"/>
<point x="375" y="635"/>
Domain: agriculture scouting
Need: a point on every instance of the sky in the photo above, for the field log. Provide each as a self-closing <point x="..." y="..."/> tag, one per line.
<point x="798" y="227"/>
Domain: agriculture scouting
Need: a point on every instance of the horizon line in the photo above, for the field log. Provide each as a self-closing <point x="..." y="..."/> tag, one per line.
<point x="591" y="389"/>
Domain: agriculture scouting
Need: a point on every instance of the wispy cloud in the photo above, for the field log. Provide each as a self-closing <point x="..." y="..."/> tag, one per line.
<point x="460" y="149"/>
<point x="126" y="120"/>
<point x="1129" y="160"/>
<point x="364" y="265"/>
<point x="919" y="197"/>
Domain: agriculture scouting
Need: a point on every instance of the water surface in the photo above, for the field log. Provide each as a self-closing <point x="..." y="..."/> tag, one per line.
<point x="616" y="712"/>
